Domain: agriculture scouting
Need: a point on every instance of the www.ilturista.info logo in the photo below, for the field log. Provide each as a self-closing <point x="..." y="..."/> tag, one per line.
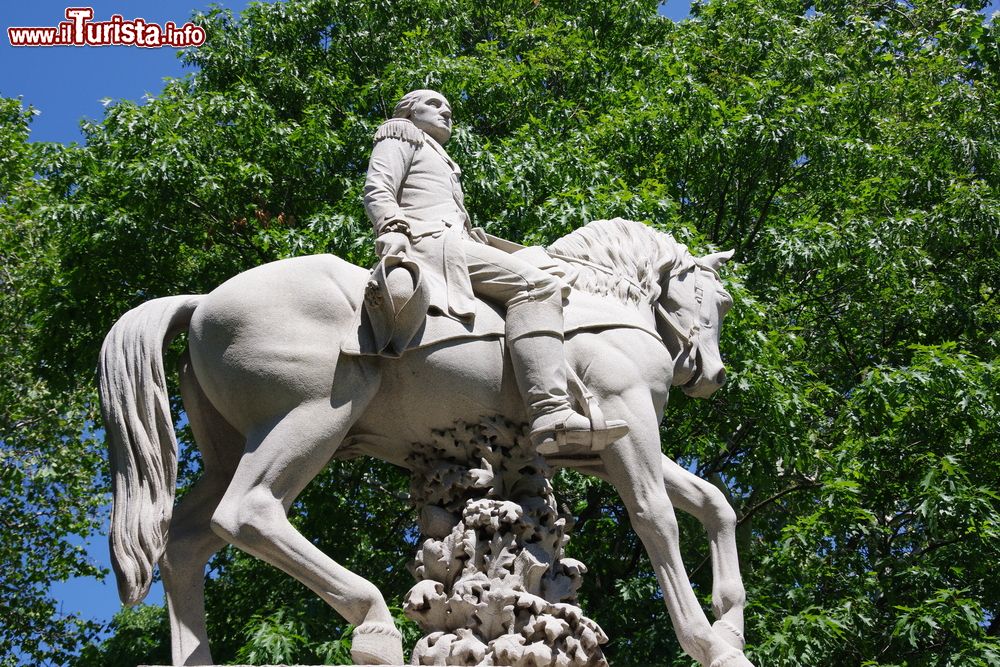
<point x="80" y="30"/>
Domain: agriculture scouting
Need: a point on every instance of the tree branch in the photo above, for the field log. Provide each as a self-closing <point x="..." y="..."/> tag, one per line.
<point x="798" y="487"/>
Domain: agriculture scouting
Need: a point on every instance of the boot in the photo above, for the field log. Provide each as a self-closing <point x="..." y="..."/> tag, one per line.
<point x="540" y="369"/>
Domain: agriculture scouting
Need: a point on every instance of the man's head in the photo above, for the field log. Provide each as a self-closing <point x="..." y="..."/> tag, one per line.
<point x="428" y="110"/>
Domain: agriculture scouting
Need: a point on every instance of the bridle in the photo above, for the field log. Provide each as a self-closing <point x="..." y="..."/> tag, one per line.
<point x="690" y="339"/>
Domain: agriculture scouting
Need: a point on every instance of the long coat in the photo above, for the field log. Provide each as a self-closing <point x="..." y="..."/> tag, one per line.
<point x="412" y="180"/>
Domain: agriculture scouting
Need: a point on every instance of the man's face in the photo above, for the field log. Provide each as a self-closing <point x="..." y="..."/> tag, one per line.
<point x="432" y="114"/>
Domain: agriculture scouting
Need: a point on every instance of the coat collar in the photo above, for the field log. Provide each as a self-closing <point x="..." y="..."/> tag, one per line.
<point x="439" y="149"/>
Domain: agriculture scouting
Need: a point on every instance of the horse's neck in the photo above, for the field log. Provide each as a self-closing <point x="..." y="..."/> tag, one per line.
<point x="608" y="274"/>
<point x="591" y="306"/>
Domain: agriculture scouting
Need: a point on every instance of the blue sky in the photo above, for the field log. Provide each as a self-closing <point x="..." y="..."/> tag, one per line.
<point x="66" y="84"/>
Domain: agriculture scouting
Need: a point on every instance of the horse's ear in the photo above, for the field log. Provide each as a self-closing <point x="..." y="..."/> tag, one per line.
<point x="717" y="259"/>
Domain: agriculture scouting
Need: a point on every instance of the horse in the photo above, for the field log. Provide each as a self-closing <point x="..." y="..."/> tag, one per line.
<point x="271" y="398"/>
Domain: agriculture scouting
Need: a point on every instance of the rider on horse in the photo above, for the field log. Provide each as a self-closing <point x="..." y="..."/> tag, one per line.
<point x="414" y="200"/>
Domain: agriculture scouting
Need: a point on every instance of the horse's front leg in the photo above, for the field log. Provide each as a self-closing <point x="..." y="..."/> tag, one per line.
<point x="709" y="506"/>
<point x="634" y="466"/>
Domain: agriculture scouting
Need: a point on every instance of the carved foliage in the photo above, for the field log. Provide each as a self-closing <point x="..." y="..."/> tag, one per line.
<point x="493" y="587"/>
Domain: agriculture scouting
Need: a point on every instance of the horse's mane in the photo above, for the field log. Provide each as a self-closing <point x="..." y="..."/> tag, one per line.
<point x="635" y="255"/>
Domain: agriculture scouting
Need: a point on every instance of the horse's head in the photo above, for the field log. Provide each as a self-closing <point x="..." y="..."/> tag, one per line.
<point x="690" y="311"/>
<point x="639" y="265"/>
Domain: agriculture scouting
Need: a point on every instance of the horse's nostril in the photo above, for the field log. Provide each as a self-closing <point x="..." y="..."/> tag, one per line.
<point x="720" y="379"/>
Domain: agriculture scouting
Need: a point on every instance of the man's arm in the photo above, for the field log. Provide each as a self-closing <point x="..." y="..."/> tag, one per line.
<point x="395" y="143"/>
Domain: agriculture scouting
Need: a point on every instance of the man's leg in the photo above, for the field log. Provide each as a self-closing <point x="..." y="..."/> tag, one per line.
<point x="534" y="331"/>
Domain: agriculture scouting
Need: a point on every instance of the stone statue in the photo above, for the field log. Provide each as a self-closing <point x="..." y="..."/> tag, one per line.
<point x="414" y="200"/>
<point x="271" y="398"/>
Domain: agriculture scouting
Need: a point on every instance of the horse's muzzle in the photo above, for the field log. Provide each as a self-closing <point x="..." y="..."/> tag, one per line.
<point x="702" y="385"/>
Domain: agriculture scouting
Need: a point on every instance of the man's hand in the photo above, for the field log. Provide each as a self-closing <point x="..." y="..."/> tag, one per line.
<point x="392" y="243"/>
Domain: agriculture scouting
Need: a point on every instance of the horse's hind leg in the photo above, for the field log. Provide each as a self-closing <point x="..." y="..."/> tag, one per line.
<point x="190" y="540"/>
<point x="280" y="460"/>
<point x="706" y="503"/>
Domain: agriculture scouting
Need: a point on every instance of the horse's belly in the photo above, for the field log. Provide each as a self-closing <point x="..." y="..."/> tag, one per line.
<point x="433" y="388"/>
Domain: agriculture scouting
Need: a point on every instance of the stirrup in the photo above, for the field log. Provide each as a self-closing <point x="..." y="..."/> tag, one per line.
<point x="602" y="432"/>
<point x="559" y="437"/>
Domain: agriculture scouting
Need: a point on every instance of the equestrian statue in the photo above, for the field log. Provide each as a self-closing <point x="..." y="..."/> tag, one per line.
<point x="296" y="362"/>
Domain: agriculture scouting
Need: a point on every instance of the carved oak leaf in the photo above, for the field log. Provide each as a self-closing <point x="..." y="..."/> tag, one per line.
<point x="441" y="560"/>
<point x="482" y="478"/>
<point x="563" y="659"/>
<point x="493" y="455"/>
<point x="573" y="568"/>
<point x="569" y="612"/>
<point x="589" y="639"/>
<point x="529" y="569"/>
<point x="462" y="611"/>
<point x="473" y="586"/>
<point x="500" y="560"/>
<point x="506" y="649"/>
<point x="553" y="628"/>
<point x="427" y="605"/>
<point x="495" y="616"/>
<point x="468" y="649"/>
<point x="480" y="557"/>
<point x="443" y="482"/>
<point x="574" y="651"/>
<point x="559" y="588"/>
<point x="532" y="603"/>
<point x="477" y="513"/>
<point x="536" y="654"/>
<point x="434" y="648"/>
<point x="492" y="514"/>
<point x="538" y="512"/>
<point x="563" y="587"/>
<point x="592" y="625"/>
<point x="454" y="441"/>
<point x="502" y="430"/>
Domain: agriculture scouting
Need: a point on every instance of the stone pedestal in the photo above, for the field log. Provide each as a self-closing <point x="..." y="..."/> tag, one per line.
<point x="493" y="585"/>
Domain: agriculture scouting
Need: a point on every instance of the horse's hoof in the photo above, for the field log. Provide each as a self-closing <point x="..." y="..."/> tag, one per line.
<point x="732" y="659"/>
<point x="730" y="633"/>
<point x="375" y="643"/>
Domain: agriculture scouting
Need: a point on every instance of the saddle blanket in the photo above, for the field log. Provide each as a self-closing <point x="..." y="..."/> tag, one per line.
<point x="582" y="311"/>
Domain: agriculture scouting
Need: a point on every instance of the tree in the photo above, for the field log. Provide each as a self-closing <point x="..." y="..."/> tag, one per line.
<point x="48" y="455"/>
<point x="848" y="150"/>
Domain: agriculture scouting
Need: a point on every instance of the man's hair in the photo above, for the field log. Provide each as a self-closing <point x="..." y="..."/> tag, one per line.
<point x="405" y="107"/>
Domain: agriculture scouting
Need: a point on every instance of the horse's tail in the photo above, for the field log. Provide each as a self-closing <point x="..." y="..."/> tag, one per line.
<point x="140" y="436"/>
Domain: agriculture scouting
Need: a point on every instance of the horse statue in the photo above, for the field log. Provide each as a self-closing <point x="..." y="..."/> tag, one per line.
<point x="271" y="399"/>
